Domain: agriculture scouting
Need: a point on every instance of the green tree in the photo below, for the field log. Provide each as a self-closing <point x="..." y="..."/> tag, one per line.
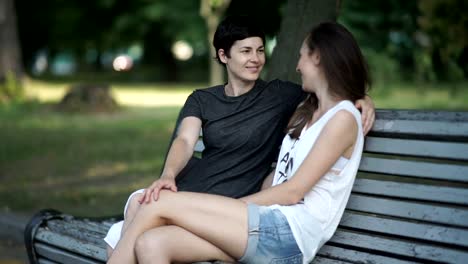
<point x="212" y="11"/>
<point x="445" y="22"/>
<point x="10" y="55"/>
<point x="385" y="31"/>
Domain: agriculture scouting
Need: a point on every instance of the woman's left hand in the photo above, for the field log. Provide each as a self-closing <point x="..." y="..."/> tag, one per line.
<point x="367" y="108"/>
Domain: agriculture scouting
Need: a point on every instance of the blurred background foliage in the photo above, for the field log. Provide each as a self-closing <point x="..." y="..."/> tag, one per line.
<point x="152" y="54"/>
<point x="423" y="40"/>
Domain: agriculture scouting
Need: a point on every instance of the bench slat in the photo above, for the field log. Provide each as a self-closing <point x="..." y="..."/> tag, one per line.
<point x="429" y="232"/>
<point x="61" y="256"/>
<point x="398" y="247"/>
<point x="45" y="261"/>
<point x="96" y="227"/>
<point x="409" y="210"/>
<point x="72" y="244"/>
<point x="420" y="123"/>
<point x="412" y="191"/>
<point x="78" y="230"/>
<point x="354" y="256"/>
<point x="397" y="218"/>
<point x="321" y="260"/>
<point x="415" y="169"/>
<point x="420" y="148"/>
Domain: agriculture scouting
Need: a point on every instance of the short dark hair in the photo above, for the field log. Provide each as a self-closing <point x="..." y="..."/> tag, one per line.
<point x="234" y="28"/>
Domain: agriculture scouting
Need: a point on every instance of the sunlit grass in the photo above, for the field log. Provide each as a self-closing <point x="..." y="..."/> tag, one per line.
<point x="395" y="95"/>
<point x="140" y="95"/>
<point x="435" y="96"/>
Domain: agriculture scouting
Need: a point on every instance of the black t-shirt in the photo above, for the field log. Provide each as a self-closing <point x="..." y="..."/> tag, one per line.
<point x="242" y="136"/>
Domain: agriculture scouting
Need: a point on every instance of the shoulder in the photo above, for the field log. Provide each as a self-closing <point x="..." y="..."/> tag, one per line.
<point x="345" y="118"/>
<point x="209" y="90"/>
<point x="292" y="92"/>
<point x="343" y="125"/>
<point x="280" y="84"/>
<point x="203" y="94"/>
<point x="349" y="109"/>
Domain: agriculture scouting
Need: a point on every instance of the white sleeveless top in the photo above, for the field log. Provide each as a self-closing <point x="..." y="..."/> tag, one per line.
<point x="324" y="204"/>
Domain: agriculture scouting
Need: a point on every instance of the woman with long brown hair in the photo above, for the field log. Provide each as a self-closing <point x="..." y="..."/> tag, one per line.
<point x="293" y="218"/>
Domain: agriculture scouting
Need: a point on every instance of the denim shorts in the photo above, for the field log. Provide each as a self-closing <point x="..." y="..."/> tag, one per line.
<point x="270" y="238"/>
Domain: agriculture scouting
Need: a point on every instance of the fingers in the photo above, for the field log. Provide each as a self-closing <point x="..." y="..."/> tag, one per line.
<point x="142" y="197"/>
<point x="368" y="121"/>
<point x="364" y="119"/>
<point x="152" y="192"/>
<point x="367" y="108"/>
<point x="156" y="191"/>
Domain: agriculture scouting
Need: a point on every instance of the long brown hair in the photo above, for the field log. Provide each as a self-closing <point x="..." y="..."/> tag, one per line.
<point x="344" y="67"/>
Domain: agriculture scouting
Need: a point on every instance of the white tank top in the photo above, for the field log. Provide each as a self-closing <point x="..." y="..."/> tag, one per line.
<point x="314" y="220"/>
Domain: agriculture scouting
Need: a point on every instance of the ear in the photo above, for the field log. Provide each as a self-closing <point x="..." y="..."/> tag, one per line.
<point x="222" y="55"/>
<point x="316" y="58"/>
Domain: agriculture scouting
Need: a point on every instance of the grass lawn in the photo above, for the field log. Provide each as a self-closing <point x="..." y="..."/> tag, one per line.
<point x="87" y="164"/>
<point x="84" y="164"/>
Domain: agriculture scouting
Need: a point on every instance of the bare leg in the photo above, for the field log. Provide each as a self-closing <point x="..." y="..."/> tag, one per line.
<point x="169" y="244"/>
<point x="109" y="251"/>
<point x="129" y="214"/>
<point x="219" y="220"/>
<point x="132" y="209"/>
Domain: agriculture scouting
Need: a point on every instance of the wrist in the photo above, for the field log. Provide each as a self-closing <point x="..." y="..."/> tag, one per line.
<point x="167" y="176"/>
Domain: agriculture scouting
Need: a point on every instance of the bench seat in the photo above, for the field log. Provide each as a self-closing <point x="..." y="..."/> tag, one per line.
<point x="409" y="203"/>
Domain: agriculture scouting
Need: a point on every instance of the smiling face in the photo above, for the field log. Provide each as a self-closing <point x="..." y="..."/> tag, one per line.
<point x="309" y="68"/>
<point x="245" y="60"/>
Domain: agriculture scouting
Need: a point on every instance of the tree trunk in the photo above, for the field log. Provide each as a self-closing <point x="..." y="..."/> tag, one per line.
<point x="300" y="16"/>
<point x="212" y="12"/>
<point x="10" y="58"/>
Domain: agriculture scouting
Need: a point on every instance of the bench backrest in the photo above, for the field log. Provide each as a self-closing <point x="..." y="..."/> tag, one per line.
<point x="409" y="202"/>
<point x="410" y="198"/>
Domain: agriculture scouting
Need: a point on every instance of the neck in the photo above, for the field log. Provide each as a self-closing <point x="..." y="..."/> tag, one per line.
<point x="325" y="102"/>
<point x="236" y="87"/>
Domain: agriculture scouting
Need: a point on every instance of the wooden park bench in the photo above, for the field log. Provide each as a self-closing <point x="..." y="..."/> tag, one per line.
<point x="409" y="203"/>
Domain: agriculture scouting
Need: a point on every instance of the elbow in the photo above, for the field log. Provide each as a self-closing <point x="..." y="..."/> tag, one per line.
<point x="295" y="197"/>
<point x="184" y="144"/>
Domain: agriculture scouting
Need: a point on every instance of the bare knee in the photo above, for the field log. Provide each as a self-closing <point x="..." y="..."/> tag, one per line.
<point x="133" y="206"/>
<point x="150" y="246"/>
<point x="163" y="203"/>
<point x="109" y="250"/>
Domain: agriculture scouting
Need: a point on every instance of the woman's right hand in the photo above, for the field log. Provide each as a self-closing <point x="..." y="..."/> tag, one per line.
<point x="153" y="190"/>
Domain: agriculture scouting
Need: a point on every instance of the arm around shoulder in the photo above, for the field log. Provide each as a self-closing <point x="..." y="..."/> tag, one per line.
<point x="368" y="112"/>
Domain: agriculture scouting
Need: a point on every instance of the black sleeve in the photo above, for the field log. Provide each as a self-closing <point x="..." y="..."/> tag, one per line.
<point x="292" y="91"/>
<point x="191" y="107"/>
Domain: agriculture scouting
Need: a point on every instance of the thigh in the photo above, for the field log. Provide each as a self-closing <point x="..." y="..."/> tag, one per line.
<point x="220" y="220"/>
<point x="180" y="246"/>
